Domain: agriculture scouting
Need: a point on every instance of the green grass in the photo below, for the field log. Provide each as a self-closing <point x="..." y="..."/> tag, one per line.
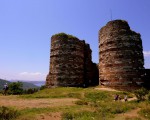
<point x="60" y="92"/>
<point x="84" y="115"/>
<point x="31" y="113"/>
<point x="8" y="113"/>
<point x="92" y="104"/>
<point x="145" y="109"/>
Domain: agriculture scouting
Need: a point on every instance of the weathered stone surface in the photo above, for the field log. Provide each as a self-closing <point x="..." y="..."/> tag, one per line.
<point x="70" y="62"/>
<point x="120" y="55"/>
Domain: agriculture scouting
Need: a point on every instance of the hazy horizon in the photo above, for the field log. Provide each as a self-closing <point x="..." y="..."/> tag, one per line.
<point x="29" y="80"/>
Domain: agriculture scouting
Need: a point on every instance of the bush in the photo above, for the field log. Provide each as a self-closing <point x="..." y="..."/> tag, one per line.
<point x="15" y="88"/>
<point x="30" y="91"/>
<point x="42" y="87"/>
<point x="141" y="94"/>
<point x="8" y="113"/>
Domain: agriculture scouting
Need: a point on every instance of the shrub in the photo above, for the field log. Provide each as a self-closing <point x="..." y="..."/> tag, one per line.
<point x="42" y="87"/>
<point x="30" y="91"/>
<point x="141" y="94"/>
<point x="8" y="113"/>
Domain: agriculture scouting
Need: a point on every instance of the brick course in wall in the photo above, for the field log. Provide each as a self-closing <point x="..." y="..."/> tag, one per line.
<point x="70" y="62"/>
<point x="120" y="55"/>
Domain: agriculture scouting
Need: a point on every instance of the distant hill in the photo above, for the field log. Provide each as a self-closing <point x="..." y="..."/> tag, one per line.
<point x="3" y="82"/>
<point x="37" y="83"/>
<point x="26" y="85"/>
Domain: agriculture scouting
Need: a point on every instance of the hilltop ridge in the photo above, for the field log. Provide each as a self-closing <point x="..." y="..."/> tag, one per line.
<point x="26" y="85"/>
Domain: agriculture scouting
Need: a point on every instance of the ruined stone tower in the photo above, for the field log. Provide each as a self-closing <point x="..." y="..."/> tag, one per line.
<point x="120" y="55"/>
<point x="70" y="62"/>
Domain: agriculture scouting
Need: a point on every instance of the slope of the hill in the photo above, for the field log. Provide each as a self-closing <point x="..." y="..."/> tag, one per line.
<point x="76" y="104"/>
<point x="26" y="85"/>
<point x="3" y="82"/>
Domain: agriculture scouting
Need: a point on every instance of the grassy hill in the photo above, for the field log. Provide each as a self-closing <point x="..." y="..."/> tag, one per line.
<point x="77" y="104"/>
<point x="26" y="85"/>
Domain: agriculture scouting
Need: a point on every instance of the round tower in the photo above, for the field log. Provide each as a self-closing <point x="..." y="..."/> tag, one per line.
<point x="66" y="61"/>
<point x="120" y="55"/>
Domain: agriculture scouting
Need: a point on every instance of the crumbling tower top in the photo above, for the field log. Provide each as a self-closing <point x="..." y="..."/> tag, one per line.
<point x="117" y="24"/>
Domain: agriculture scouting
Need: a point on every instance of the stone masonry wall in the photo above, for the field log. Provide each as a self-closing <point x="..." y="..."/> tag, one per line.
<point x="70" y="61"/>
<point x="120" y="55"/>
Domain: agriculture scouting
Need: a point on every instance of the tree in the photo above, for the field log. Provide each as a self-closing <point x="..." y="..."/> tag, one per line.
<point x="15" y="88"/>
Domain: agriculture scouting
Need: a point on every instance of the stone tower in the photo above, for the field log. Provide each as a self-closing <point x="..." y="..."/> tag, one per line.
<point x="120" y="56"/>
<point x="70" y="62"/>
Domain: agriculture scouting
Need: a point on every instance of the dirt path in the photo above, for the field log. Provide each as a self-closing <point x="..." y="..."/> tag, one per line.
<point x="35" y="103"/>
<point x="133" y="114"/>
<point x="130" y="99"/>
<point x="106" y="89"/>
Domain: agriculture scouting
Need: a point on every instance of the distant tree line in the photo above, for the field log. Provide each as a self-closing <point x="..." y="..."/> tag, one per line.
<point x="16" y="88"/>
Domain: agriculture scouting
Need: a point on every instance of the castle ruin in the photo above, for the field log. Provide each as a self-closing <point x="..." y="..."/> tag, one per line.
<point x="70" y="62"/>
<point x="121" y="61"/>
<point x="120" y="56"/>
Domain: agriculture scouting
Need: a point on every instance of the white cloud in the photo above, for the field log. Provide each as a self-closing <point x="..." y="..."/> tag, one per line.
<point x="24" y="73"/>
<point x="31" y="76"/>
<point x="146" y="53"/>
<point x="31" y="73"/>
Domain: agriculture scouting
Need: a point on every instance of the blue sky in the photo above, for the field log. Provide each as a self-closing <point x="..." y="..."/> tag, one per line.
<point x="27" y="25"/>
